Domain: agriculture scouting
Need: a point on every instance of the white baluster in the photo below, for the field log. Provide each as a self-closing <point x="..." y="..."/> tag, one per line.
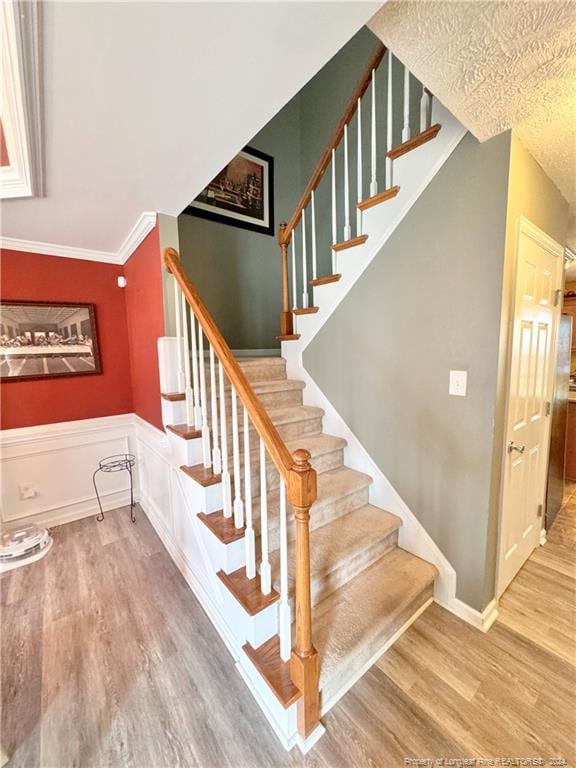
<point x="373" y="181"/>
<point x="203" y="402"/>
<point x="197" y="408"/>
<point x="334" y="213"/>
<point x="314" y="261"/>
<point x="226" y="486"/>
<point x="238" y="504"/>
<point x="249" y="541"/>
<point x="425" y="109"/>
<point x="359" y="168"/>
<point x="189" y="391"/>
<point x="406" y="126"/>
<point x="347" y="227"/>
<point x="177" y="310"/>
<point x="304" y="263"/>
<point x="216" y="456"/>
<point x="389" y="112"/>
<point x="294" y="285"/>
<point x="285" y="622"/>
<point x="265" y="570"/>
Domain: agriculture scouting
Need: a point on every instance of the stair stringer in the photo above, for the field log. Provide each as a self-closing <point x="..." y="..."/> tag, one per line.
<point x="172" y="509"/>
<point x="413" y="537"/>
<point x="412" y="172"/>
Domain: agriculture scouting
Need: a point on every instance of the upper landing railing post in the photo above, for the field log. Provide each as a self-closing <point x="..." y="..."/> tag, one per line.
<point x="286" y="323"/>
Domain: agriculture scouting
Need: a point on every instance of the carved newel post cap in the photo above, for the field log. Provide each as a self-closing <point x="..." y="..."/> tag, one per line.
<point x="301" y="460"/>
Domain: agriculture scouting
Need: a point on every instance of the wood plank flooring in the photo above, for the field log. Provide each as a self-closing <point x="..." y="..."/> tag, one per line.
<point x="108" y="660"/>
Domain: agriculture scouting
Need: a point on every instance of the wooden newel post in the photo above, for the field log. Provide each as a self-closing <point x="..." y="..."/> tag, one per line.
<point x="286" y="326"/>
<point x="304" y="663"/>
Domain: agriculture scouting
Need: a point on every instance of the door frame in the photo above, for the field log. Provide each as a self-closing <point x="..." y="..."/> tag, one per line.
<point x="525" y="227"/>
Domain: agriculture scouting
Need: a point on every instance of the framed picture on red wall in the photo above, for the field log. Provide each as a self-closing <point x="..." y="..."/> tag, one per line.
<point x="42" y="339"/>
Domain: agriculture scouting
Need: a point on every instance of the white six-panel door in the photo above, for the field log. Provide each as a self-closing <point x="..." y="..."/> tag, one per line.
<point x="537" y="309"/>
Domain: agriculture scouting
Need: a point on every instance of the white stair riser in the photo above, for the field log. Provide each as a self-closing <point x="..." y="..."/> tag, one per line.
<point x="249" y="629"/>
<point x="185" y="453"/>
<point x="202" y="499"/>
<point x="173" y="412"/>
<point x="224" y="557"/>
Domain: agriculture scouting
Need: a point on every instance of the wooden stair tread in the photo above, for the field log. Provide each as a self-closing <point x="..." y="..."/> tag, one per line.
<point x="247" y="591"/>
<point x="354" y="241"/>
<point x="202" y="475"/>
<point x="416" y="141"/>
<point x="183" y="430"/>
<point x="388" y="194"/>
<point x="305" y="311"/>
<point x="275" y="672"/>
<point x="288" y="337"/>
<point x="173" y="397"/>
<point x="222" y="527"/>
<point x="324" y="280"/>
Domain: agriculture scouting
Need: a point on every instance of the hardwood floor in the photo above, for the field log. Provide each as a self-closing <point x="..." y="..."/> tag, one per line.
<point x="108" y="660"/>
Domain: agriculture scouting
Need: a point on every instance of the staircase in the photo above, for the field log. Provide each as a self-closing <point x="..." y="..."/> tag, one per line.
<point x="299" y="572"/>
<point x="364" y="587"/>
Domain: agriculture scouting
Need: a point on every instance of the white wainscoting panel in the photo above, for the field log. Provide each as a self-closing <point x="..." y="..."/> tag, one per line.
<point x="47" y="470"/>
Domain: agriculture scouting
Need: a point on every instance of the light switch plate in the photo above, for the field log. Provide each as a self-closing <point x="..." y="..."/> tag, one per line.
<point x="458" y="382"/>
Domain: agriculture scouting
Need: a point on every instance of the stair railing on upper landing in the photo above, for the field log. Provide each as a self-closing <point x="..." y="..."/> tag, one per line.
<point x="208" y="412"/>
<point x="341" y="234"/>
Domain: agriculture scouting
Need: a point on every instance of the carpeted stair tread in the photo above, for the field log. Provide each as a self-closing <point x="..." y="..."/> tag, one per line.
<point x="352" y="622"/>
<point x="343" y="548"/>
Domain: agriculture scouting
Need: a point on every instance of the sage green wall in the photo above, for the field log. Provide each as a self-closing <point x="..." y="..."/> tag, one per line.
<point x="237" y="272"/>
<point x="430" y="302"/>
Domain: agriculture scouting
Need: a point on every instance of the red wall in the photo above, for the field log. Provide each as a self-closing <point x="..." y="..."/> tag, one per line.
<point x="129" y="322"/>
<point x="145" y="321"/>
<point x="32" y="276"/>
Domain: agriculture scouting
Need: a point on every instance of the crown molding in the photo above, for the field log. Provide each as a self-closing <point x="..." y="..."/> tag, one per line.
<point x="52" y="249"/>
<point x="139" y="231"/>
<point x="145" y="224"/>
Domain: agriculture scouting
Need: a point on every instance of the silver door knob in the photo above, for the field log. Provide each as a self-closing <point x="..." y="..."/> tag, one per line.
<point x="513" y="447"/>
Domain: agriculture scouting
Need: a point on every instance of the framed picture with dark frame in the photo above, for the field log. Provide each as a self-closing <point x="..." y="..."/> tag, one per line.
<point x="242" y="194"/>
<point x="45" y="339"/>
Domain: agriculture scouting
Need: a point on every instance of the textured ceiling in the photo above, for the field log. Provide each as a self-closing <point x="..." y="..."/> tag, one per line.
<point x="496" y="65"/>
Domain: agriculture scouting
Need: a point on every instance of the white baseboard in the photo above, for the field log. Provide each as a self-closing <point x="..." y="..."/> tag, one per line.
<point x="482" y="620"/>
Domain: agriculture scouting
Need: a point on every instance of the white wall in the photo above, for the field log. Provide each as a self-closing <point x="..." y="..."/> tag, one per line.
<point x="53" y="465"/>
<point x="154" y="86"/>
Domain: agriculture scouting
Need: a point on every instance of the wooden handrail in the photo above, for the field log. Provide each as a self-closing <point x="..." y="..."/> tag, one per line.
<point x="300" y="478"/>
<point x="276" y="447"/>
<point x="335" y="138"/>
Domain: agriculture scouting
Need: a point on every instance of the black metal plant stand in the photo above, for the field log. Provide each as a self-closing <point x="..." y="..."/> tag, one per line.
<point x="118" y="463"/>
